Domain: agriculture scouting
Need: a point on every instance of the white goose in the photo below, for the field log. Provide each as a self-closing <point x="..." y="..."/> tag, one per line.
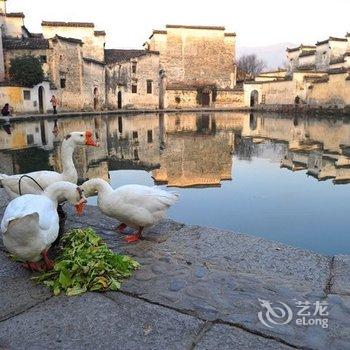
<point x="44" y="177"/>
<point x="30" y="223"/>
<point x="135" y="206"/>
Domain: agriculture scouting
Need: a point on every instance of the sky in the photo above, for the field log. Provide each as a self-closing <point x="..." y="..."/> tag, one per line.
<point x="258" y="23"/>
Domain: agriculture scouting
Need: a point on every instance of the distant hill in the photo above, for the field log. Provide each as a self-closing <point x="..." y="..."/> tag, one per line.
<point x="273" y="55"/>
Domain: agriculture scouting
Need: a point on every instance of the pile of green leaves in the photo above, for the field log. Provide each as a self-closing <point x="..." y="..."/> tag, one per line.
<point x="86" y="264"/>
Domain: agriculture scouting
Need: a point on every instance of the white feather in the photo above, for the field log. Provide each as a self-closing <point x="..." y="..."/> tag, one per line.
<point x="135" y="205"/>
<point x="30" y="225"/>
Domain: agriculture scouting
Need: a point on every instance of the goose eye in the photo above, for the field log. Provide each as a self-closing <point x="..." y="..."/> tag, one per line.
<point x="82" y="135"/>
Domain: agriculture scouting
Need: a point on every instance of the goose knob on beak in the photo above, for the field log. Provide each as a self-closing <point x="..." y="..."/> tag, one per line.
<point x="80" y="206"/>
<point x="89" y="141"/>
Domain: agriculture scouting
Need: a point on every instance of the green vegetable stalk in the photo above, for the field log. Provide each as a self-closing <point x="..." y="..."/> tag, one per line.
<point x="86" y="264"/>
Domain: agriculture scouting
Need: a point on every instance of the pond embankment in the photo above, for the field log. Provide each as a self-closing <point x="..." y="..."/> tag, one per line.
<point x="197" y="288"/>
<point x="74" y="114"/>
<point x="305" y="110"/>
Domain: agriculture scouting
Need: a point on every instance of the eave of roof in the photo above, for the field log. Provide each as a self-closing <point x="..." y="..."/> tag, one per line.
<point x="70" y="40"/>
<point x="121" y="55"/>
<point x="91" y="60"/>
<point x="15" y="15"/>
<point x="25" y="44"/>
<point x="331" y="38"/>
<point x="307" y="53"/>
<point x="300" y="47"/>
<point x="68" y="24"/>
<point x="194" y="27"/>
<point x="157" y="31"/>
<point x="99" y="33"/>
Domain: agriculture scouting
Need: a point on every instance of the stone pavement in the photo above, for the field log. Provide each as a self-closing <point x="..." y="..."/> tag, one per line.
<point x="198" y="288"/>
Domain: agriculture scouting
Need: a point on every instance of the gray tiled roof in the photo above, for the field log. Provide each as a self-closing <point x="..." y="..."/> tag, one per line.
<point x="120" y="55"/>
<point x="67" y="24"/>
<point x="307" y="53"/>
<point x="25" y="44"/>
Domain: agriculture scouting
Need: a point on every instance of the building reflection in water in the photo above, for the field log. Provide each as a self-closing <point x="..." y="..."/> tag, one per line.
<point x="183" y="150"/>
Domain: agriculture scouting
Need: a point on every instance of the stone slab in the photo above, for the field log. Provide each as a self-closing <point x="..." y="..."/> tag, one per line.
<point x="93" y="321"/>
<point x="300" y="269"/>
<point x="297" y="268"/>
<point x="17" y="292"/>
<point x="341" y="275"/>
<point x="233" y="297"/>
<point x="225" y="337"/>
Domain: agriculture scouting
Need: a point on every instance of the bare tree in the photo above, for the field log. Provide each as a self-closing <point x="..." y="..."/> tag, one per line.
<point x="251" y="64"/>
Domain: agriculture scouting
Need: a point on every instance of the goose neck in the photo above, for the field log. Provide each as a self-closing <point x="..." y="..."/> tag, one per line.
<point x="68" y="167"/>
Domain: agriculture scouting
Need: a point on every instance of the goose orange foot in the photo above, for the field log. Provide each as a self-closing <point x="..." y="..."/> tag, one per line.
<point x="32" y="266"/>
<point x="121" y="228"/>
<point x="48" y="263"/>
<point x="134" y="237"/>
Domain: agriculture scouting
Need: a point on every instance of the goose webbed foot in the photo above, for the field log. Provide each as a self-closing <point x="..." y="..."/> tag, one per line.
<point x="121" y="228"/>
<point x="136" y="236"/>
<point x="48" y="263"/>
<point x="32" y="266"/>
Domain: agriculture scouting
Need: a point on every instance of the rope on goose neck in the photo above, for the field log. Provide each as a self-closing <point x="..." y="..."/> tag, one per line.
<point x="29" y="177"/>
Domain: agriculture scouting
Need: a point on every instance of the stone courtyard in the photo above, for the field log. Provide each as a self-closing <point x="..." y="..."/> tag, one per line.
<point x="197" y="288"/>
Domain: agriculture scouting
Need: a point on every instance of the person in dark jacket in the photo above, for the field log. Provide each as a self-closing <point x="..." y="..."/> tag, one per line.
<point x="6" y="110"/>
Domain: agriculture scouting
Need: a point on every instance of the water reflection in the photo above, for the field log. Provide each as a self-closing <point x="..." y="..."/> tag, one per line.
<point x="256" y="173"/>
<point x="183" y="150"/>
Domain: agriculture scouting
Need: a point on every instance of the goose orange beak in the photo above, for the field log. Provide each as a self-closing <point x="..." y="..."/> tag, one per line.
<point x="89" y="141"/>
<point x="79" y="208"/>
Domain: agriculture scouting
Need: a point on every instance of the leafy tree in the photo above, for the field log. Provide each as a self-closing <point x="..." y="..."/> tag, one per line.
<point x="251" y="64"/>
<point x="26" y="71"/>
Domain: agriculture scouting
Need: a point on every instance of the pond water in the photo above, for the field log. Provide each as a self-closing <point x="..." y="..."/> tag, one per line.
<point x="280" y="178"/>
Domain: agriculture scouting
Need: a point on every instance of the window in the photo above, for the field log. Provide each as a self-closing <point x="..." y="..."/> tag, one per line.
<point x="149" y="136"/>
<point x="63" y="83"/>
<point x="26" y="95"/>
<point x="134" y="88"/>
<point x="133" y="67"/>
<point x="149" y="86"/>
<point x="43" y="59"/>
<point x="135" y="135"/>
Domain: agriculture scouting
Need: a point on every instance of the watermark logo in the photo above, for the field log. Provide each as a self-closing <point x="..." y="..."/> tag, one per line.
<point x="274" y="315"/>
<point x="307" y="314"/>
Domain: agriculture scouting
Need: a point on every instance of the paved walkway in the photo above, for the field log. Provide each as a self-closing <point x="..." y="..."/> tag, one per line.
<point x="198" y="288"/>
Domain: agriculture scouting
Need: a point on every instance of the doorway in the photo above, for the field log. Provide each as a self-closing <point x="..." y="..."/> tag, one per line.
<point x="120" y="101"/>
<point x="205" y="99"/>
<point x="254" y="98"/>
<point x="41" y="99"/>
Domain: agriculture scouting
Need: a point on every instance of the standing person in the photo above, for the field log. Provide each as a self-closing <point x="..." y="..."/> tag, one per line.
<point x="6" y="110"/>
<point x="54" y="104"/>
